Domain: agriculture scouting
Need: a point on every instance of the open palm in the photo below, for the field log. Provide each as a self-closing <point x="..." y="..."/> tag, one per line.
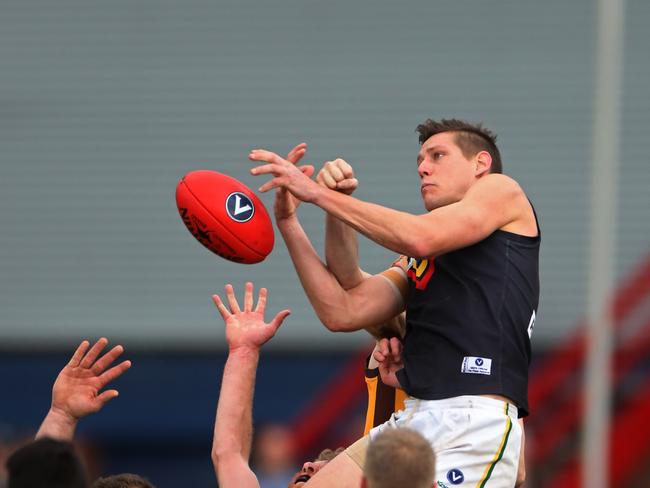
<point x="246" y="328"/>
<point x="77" y="389"/>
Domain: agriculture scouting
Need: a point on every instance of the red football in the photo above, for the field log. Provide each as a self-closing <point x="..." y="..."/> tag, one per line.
<point x="225" y="216"/>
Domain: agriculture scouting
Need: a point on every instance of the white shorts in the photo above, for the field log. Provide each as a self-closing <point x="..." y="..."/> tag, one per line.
<point x="477" y="440"/>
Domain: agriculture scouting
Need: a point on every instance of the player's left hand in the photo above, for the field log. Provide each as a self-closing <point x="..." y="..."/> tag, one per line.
<point x="286" y="175"/>
<point x="76" y="391"/>
<point x="389" y="356"/>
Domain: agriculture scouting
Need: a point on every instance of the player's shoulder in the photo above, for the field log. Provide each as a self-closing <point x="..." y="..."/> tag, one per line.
<point x="499" y="186"/>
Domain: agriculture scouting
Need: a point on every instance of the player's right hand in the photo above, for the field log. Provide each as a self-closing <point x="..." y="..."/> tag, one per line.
<point x="246" y="329"/>
<point x="338" y="175"/>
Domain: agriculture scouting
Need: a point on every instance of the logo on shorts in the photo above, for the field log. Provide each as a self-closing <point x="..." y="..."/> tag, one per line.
<point x="455" y="476"/>
<point x="239" y="207"/>
<point x="474" y="365"/>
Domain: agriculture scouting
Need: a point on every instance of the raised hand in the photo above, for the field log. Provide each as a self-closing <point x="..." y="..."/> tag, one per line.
<point x="389" y="357"/>
<point x="246" y="328"/>
<point x="338" y="175"/>
<point x="76" y="391"/>
<point x="285" y="203"/>
<point x="286" y="175"/>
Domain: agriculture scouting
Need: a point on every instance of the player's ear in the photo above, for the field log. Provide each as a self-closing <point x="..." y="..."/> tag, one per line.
<point x="483" y="162"/>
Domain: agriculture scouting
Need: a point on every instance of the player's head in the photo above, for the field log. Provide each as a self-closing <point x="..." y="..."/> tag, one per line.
<point x="125" y="480"/>
<point x="310" y="468"/>
<point x="454" y="154"/>
<point x="399" y="457"/>
<point x="45" y="462"/>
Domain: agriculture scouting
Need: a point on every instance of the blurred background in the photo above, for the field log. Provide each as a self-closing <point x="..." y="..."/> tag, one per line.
<point x="104" y="106"/>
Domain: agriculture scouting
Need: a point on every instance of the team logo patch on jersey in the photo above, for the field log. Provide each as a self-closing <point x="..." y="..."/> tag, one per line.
<point x="239" y="207"/>
<point x="476" y="365"/>
<point x="420" y="272"/>
<point x="455" y="476"/>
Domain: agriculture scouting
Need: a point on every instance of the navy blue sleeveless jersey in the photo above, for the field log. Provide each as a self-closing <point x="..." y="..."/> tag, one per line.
<point x="469" y="317"/>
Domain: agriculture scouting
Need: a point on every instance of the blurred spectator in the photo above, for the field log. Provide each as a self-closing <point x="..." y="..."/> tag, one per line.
<point x="274" y="456"/>
<point x="45" y="463"/>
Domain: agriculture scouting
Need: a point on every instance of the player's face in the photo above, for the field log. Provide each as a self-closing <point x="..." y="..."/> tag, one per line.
<point x="309" y="469"/>
<point x="445" y="173"/>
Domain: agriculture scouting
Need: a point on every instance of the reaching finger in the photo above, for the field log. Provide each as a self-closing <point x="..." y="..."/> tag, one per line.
<point x="265" y="169"/>
<point x="248" y="297"/>
<point x="297" y="153"/>
<point x="232" y="301"/>
<point x="269" y="185"/>
<point x="279" y="318"/>
<point x="107" y="359"/>
<point x="114" y="373"/>
<point x="91" y="356"/>
<point x="264" y="155"/>
<point x="78" y="354"/>
<point x="221" y="307"/>
<point x="105" y="396"/>
<point x="261" y="301"/>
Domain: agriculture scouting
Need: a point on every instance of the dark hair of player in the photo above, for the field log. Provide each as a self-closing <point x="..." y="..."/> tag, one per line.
<point x="470" y="138"/>
<point x="45" y="462"/>
<point x="125" y="480"/>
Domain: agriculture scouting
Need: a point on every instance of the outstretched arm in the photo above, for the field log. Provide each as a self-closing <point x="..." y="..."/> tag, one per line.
<point x="76" y="391"/>
<point x="495" y="201"/>
<point x="372" y="302"/>
<point x="246" y="332"/>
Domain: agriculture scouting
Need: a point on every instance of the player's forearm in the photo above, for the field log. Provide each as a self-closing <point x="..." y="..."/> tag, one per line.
<point x="330" y="301"/>
<point x="399" y="231"/>
<point x="342" y="252"/>
<point x="233" y="426"/>
<point x="57" y="425"/>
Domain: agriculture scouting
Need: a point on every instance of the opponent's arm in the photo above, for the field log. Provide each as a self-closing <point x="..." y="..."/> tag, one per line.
<point x="372" y="302"/>
<point x="76" y="391"/>
<point x="246" y="332"/>
<point x="493" y="202"/>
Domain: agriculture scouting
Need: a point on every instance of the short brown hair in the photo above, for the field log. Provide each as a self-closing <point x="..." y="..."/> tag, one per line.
<point x="328" y="454"/>
<point x="399" y="457"/>
<point x="126" y="480"/>
<point x="471" y="138"/>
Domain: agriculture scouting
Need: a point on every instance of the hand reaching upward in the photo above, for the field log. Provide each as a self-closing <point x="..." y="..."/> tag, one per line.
<point x="246" y="329"/>
<point x="77" y="390"/>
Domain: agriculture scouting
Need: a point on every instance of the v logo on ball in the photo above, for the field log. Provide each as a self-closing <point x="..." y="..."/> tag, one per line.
<point x="239" y="207"/>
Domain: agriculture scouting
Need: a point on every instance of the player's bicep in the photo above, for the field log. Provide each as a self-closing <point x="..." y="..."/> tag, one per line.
<point x="234" y="472"/>
<point x="377" y="300"/>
